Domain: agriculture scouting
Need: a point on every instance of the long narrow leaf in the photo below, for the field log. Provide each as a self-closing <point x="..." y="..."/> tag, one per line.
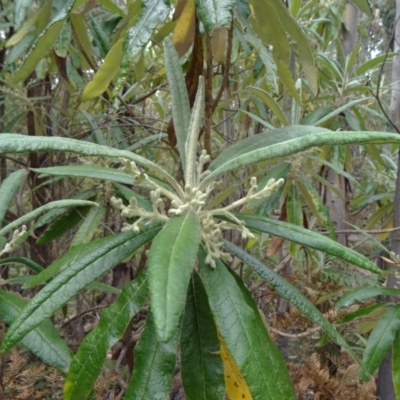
<point x="202" y="370"/>
<point x="12" y="143"/>
<point x="361" y="294"/>
<point x="308" y="238"/>
<point x="179" y="97"/>
<point x="88" y="361"/>
<point x="9" y="188"/>
<point x="380" y="340"/>
<point x="154" y="365"/>
<point x="246" y="338"/>
<point x="41" y="210"/>
<point x="171" y="261"/>
<point x="44" y="341"/>
<point x="291" y="294"/>
<point x="281" y="148"/>
<point x="82" y="270"/>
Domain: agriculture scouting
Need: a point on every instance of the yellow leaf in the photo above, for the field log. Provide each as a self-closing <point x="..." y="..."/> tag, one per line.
<point x="105" y="74"/>
<point x="183" y="34"/>
<point x="236" y="386"/>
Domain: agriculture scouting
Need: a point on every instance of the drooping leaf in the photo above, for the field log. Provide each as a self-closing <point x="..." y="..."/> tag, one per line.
<point x="269" y="101"/>
<point x="12" y="143"/>
<point x="291" y="294"/>
<point x="236" y="386"/>
<point x="380" y="340"/>
<point x="364" y="6"/>
<point x="105" y="74"/>
<point x="215" y="13"/>
<point x="279" y="21"/>
<point x="43" y="42"/>
<point x="89" y="359"/>
<point x="171" y="261"/>
<point x="202" y="370"/>
<point x="9" y="188"/>
<point x="80" y="268"/>
<point x="308" y="238"/>
<point x="179" y="97"/>
<point x="246" y="338"/>
<point x="316" y="204"/>
<point x="41" y="210"/>
<point x="43" y="341"/>
<point x="246" y="151"/>
<point x="154" y="365"/>
<point x="183" y="34"/>
<point x="152" y="13"/>
<point x="361" y="294"/>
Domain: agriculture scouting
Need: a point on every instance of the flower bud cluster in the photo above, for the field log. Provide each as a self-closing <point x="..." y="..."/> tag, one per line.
<point x="13" y="244"/>
<point x="194" y="199"/>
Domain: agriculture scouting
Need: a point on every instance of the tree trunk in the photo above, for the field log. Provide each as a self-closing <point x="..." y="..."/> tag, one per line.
<point x="385" y="390"/>
<point x="337" y="206"/>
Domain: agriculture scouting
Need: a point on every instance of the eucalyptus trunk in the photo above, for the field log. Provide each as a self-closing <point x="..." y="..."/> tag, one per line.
<point x="385" y="390"/>
<point x="337" y="205"/>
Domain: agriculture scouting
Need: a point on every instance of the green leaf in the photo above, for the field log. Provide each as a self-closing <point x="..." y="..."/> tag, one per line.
<point x="89" y="226"/>
<point x="316" y="204"/>
<point x="202" y="369"/>
<point x="364" y="7"/>
<point x="291" y="294"/>
<point x="215" y="13"/>
<point x="24" y="261"/>
<point x="9" y="188"/>
<point x="179" y="97"/>
<point x="44" y="341"/>
<point x="361" y="312"/>
<point x="266" y="206"/>
<point x="246" y="338"/>
<point x="171" y="261"/>
<point x="89" y="359"/>
<point x="396" y="364"/>
<point x="154" y="365"/>
<point x="380" y="340"/>
<point x="339" y="110"/>
<point x="105" y="74"/>
<point x="361" y="294"/>
<point x="373" y="63"/>
<point x="308" y="238"/>
<point x="43" y="42"/>
<point x="126" y="194"/>
<point x="89" y="171"/>
<point x="47" y="207"/>
<point x="152" y="13"/>
<point x="192" y="139"/>
<point x="63" y="224"/>
<point x="247" y="152"/>
<point x="12" y="143"/>
<point x="269" y="101"/>
<point x="79" y="268"/>
<point x="263" y="140"/>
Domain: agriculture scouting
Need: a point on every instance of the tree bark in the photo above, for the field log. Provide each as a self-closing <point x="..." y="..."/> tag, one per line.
<point x="385" y="390"/>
